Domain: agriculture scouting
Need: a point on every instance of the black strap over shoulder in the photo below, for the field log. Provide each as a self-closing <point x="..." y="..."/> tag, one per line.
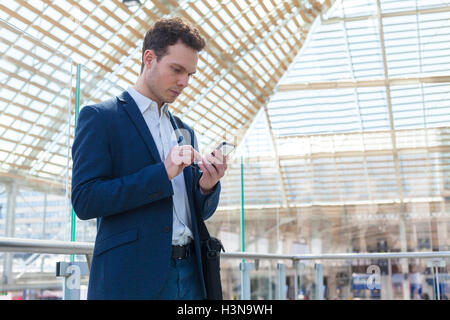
<point x="210" y="247"/>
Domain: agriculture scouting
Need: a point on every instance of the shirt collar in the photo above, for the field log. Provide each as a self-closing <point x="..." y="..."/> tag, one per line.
<point x="144" y="102"/>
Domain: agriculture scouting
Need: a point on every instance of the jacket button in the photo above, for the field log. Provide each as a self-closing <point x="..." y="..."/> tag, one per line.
<point x="166" y="229"/>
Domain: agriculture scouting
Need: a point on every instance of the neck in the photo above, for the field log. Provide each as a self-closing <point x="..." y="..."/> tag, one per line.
<point x="145" y="91"/>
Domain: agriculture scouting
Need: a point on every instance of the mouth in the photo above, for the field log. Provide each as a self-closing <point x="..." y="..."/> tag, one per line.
<point x="174" y="92"/>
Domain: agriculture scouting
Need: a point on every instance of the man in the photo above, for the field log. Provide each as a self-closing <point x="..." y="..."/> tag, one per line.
<point x="130" y="174"/>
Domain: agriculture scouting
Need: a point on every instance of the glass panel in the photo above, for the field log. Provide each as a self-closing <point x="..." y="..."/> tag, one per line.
<point x="94" y="88"/>
<point x="34" y="163"/>
<point x="375" y="279"/>
<point x="231" y="278"/>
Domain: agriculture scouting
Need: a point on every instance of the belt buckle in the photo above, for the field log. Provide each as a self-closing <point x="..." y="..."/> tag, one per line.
<point x="185" y="255"/>
<point x="186" y="248"/>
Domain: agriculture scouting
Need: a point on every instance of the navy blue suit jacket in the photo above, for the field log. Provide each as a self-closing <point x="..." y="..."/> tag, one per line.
<point x="118" y="177"/>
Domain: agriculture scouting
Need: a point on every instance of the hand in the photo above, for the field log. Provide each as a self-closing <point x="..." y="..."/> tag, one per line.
<point x="213" y="166"/>
<point x="180" y="157"/>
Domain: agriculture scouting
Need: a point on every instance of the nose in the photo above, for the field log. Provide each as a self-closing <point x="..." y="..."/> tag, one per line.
<point x="183" y="80"/>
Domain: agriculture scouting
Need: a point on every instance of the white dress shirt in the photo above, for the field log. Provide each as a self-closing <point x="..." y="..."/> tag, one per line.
<point x="162" y="131"/>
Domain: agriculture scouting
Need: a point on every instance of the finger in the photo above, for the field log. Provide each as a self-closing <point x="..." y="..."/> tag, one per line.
<point x="218" y="155"/>
<point x="184" y="149"/>
<point x="202" y="167"/>
<point x="186" y="159"/>
<point x="172" y="153"/>
<point x="207" y="168"/>
<point x="197" y="157"/>
<point x="212" y="169"/>
<point x="218" y="164"/>
<point x="177" y="159"/>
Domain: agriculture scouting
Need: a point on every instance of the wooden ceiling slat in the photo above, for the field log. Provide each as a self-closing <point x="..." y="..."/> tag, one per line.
<point x="57" y="25"/>
<point x="184" y="103"/>
<point x="33" y="97"/>
<point x="153" y="16"/>
<point x="209" y="78"/>
<point x="236" y="21"/>
<point x="218" y="59"/>
<point x="33" y="83"/>
<point x="55" y="119"/>
<point x="244" y="14"/>
<point x="38" y="137"/>
<point x="161" y="7"/>
<point x="36" y="57"/>
<point x="17" y="155"/>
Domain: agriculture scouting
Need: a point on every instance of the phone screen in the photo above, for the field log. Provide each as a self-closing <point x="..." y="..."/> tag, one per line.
<point x="226" y="148"/>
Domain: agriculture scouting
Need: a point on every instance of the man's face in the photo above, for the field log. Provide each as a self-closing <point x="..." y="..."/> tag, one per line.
<point x="165" y="79"/>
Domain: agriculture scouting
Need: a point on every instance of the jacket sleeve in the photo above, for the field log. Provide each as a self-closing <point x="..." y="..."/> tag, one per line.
<point x="95" y="193"/>
<point x="207" y="203"/>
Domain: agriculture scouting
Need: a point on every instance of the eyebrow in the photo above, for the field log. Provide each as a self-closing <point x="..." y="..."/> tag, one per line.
<point x="180" y="66"/>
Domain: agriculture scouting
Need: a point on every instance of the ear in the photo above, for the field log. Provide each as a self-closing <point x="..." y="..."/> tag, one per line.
<point x="149" y="58"/>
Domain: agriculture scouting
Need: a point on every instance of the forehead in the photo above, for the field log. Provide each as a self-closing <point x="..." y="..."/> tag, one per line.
<point x="182" y="55"/>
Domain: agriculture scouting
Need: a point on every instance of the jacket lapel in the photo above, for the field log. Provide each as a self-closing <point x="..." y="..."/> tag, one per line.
<point x="138" y="120"/>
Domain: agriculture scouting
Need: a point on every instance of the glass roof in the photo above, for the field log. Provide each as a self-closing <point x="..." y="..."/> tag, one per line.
<point x="361" y="115"/>
<point x="250" y="45"/>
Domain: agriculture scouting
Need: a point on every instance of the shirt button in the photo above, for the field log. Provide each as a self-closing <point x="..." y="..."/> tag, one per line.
<point x="166" y="229"/>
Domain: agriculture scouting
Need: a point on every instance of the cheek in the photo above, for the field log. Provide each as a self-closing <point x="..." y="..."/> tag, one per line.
<point x="155" y="82"/>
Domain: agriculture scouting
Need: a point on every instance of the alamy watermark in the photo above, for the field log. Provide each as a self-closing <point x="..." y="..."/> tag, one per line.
<point x="374" y="280"/>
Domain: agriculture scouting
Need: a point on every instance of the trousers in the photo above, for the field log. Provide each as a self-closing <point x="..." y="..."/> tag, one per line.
<point x="183" y="281"/>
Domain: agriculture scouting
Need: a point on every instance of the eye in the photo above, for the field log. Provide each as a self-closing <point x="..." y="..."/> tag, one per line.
<point x="176" y="70"/>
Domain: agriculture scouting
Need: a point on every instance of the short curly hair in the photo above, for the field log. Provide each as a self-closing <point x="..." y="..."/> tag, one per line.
<point x="166" y="32"/>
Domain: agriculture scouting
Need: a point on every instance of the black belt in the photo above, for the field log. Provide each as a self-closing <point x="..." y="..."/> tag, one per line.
<point x="182" y="252"/>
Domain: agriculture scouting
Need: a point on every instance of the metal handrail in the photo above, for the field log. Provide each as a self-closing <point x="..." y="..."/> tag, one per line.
<point x="86" y="248"/>
<point x="45" y="246"/>
<point x="339" y="256"/>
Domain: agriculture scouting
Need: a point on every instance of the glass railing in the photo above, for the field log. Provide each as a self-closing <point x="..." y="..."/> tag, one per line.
<point x="35" y="103"/>
<point x="41" y="90"/>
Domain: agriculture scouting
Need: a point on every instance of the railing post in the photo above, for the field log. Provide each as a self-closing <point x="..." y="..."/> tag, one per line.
<point x="12" y="190"/>
<point x="319" y="294"/>
<point x="71" y="272"/>
<point x="435" y="264"/>
<point x="245" y="268"/>
<point x="295" y="267"/>
<point x="281" y="281"/>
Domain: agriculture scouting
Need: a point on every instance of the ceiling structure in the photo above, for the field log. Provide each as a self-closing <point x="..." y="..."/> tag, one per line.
<point x="332" y="104"/>
<point x="360" y="117"/>
<point x="250" y="45"/>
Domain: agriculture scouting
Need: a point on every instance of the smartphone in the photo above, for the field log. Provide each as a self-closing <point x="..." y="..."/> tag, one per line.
<point x="226" y="148"/>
